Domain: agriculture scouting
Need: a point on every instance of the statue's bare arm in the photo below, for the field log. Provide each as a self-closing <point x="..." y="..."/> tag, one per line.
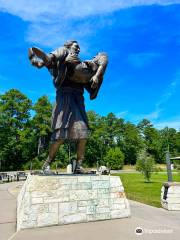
<point x="97" y="76"/>
<point x="40" y="59"/>
<point x="102" y="61"/>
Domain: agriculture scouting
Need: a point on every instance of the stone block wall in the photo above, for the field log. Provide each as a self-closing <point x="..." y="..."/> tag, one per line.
<point x="170" y="196"/>
<point x="58" y="200"/>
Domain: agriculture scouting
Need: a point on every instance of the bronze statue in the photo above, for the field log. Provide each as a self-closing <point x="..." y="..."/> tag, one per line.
<point x="70" y="77"/>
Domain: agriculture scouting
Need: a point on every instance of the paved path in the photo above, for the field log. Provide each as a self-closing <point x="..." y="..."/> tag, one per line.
<point x="8" y="209"/>
<point x="166" y="224"/>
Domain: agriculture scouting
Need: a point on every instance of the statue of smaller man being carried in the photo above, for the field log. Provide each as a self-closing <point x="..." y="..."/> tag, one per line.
<point x="70" y="77"/>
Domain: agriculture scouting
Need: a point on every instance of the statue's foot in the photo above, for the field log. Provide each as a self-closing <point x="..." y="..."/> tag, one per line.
<point x="78" y="168"/>
<point x="79" y="171"/>
<point x="46" y="170"/>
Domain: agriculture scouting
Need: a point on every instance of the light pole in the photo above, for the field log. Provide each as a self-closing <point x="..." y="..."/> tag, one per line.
<point x="102" y="142"/>
<point x="168" y="165"/>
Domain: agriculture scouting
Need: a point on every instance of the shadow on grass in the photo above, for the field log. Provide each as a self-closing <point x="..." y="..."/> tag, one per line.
<point x="147" y="182"/>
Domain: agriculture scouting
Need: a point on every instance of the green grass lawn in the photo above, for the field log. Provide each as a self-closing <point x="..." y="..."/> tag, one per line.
<point x="137" y="189"/>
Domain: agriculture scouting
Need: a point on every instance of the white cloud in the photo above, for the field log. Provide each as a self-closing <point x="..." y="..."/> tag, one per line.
<point x="160" y="107"/>
<point x="51" y="21"/>
<point x="45" y="10"/>
<point x="161" y="104"/>
<point x="121" y="114"/>
<point x="153" y="115"/>
<point x="170" y="124"/>
<point x="171" y="89"/>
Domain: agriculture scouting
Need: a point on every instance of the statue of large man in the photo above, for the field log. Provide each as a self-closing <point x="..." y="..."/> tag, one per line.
<point x="70" y="77"/>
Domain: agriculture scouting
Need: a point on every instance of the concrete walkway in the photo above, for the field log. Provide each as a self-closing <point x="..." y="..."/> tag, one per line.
<point x="8" y="208"/>
<point x="156" y="223"/>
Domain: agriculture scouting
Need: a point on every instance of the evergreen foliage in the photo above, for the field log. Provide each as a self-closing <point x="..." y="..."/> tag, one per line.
<point x="25" y="137"/>
<point x="114" y="159"/>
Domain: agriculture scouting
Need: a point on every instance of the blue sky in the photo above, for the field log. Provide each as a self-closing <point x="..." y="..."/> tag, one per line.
<point x="141" y="37"/>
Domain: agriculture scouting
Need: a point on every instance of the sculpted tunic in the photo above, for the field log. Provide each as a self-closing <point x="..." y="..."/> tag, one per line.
<point x="70" y="77"/>
<point x="69" y="119"/>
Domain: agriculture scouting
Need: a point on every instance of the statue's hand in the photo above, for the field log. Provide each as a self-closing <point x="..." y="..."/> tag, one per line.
<point x="94" y="81"/>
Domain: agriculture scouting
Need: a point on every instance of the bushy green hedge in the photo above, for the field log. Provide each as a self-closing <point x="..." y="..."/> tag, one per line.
<point x="114" y="158"/>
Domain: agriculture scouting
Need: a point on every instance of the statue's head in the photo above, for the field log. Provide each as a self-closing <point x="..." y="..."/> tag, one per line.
<point x="72" y="46"/>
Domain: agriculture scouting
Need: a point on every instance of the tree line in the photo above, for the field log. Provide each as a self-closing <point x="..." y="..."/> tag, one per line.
<point x="25" y="134"/>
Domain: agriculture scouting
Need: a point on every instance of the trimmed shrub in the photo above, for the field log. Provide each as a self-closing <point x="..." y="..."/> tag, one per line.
<point x="114" y="158"/>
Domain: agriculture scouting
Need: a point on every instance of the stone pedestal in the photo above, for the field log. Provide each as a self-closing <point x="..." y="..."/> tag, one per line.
<point x="170" y="196"/>
<point x="58" y="200"/>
